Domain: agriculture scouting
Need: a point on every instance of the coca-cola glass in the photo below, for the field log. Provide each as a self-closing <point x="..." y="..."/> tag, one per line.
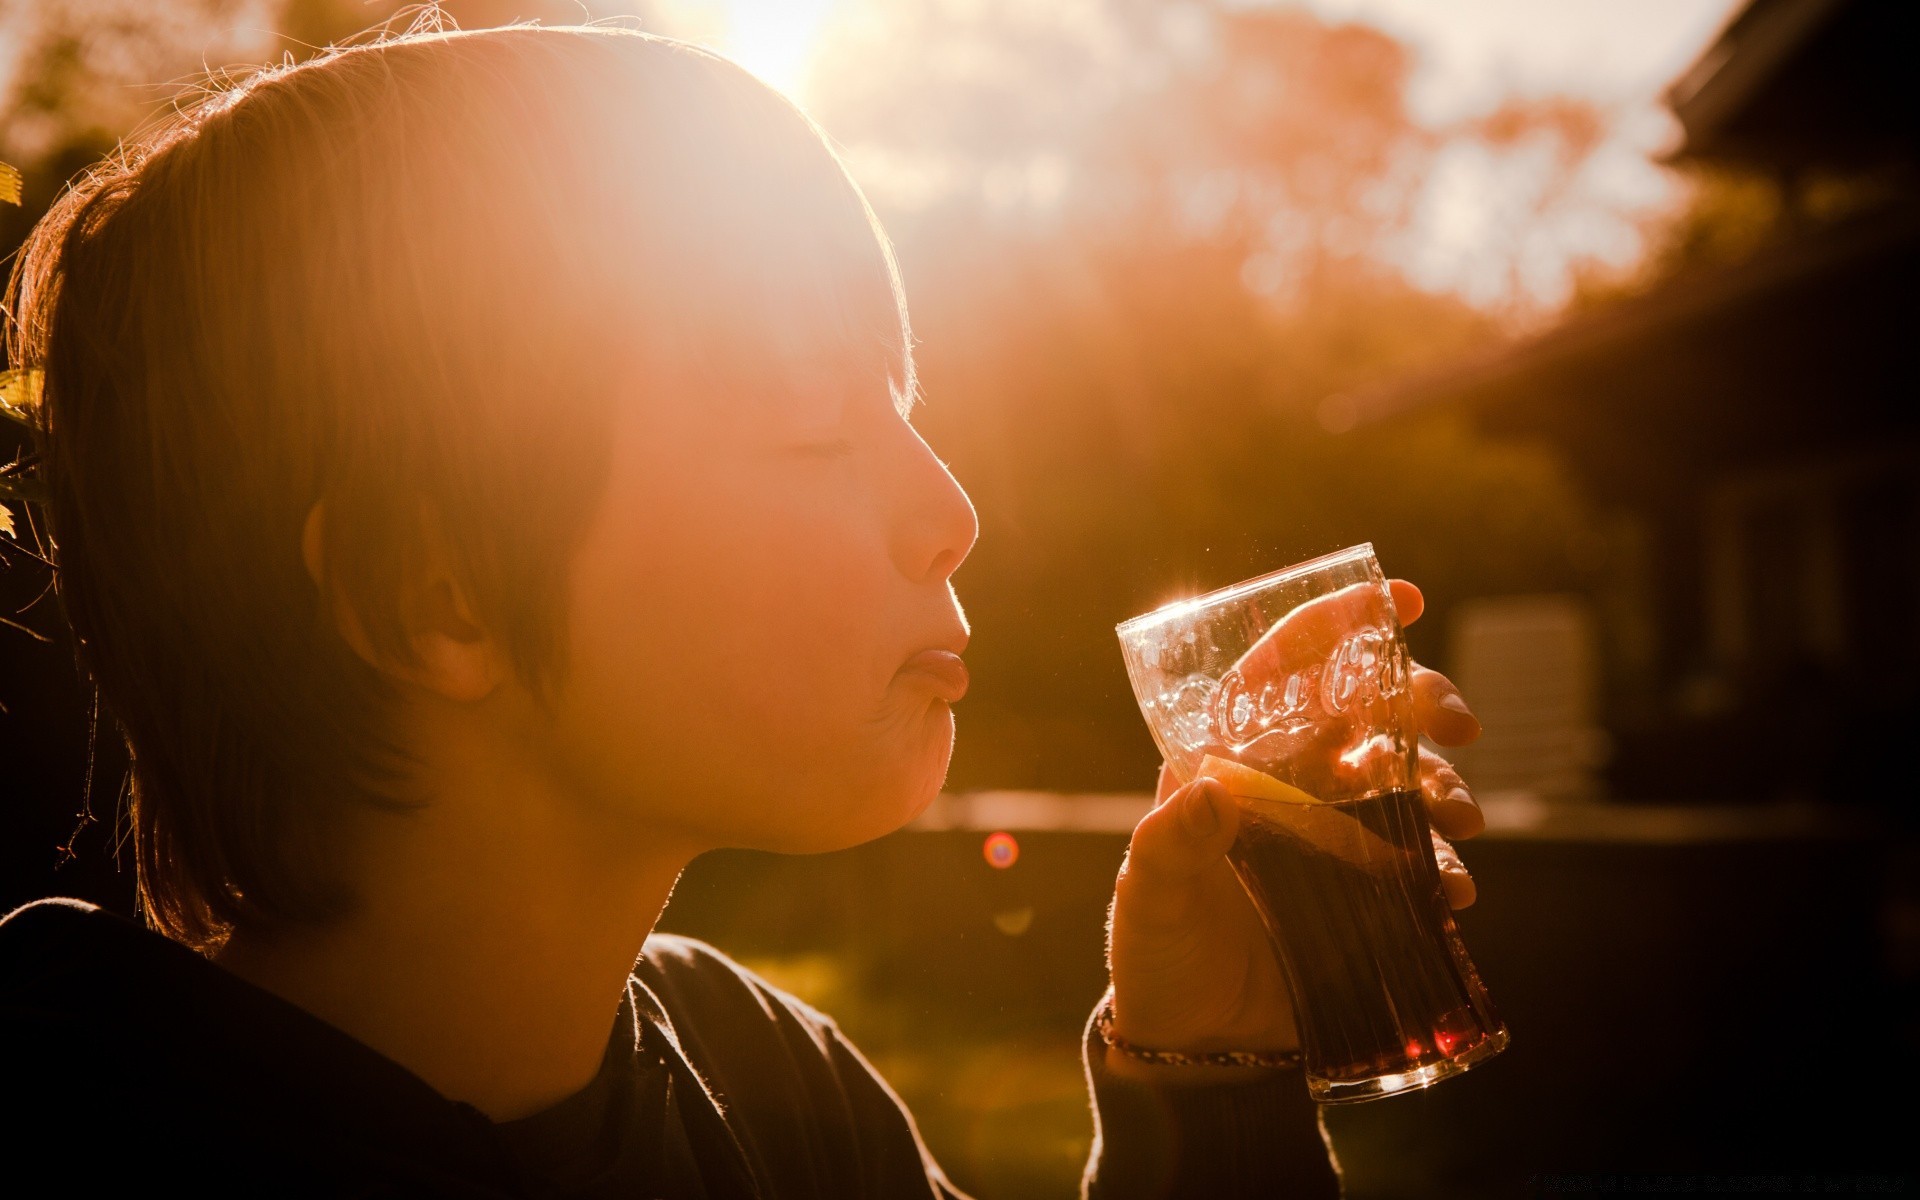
<point x="1292" y="690"/>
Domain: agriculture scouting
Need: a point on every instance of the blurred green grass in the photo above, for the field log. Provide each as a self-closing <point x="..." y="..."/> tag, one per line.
<point x="1006" y="1115"/>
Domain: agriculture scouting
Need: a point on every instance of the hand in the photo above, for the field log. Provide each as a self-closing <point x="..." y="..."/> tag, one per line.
<point x="1191" y="965"/>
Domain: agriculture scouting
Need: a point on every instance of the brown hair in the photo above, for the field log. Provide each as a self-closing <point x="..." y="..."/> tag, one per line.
<point x="409" y="276"/>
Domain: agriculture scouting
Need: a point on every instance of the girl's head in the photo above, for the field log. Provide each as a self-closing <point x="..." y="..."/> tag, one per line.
<point x="551" y="383"/>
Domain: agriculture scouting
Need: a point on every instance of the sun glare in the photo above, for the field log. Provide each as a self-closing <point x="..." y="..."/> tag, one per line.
<point x="775" y="39"/>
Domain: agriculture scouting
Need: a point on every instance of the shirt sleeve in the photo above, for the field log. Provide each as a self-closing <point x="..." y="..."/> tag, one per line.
<point x="1208" y="1141"/>
<point x="896" y="1156"/>
<point x="813" y="1116"/>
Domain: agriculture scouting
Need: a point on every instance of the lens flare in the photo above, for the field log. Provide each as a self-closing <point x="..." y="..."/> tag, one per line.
<point x="775" y="39"/>
<point x="1000" y="850"/>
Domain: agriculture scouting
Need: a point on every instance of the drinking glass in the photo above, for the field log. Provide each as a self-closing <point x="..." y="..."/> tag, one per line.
<point x="1292" y="690"/>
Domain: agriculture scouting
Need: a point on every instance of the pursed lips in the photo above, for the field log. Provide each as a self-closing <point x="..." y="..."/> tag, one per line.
<point x="940" y="670"/>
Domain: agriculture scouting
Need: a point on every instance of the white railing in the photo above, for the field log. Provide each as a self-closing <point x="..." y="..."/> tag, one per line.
<point x="1516" y="815"/>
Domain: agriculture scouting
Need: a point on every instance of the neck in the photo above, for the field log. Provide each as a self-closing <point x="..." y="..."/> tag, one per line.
<point x="491" y="940"/>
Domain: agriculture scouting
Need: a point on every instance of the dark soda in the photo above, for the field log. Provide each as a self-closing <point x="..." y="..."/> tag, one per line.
<point x="1385" y="995"/>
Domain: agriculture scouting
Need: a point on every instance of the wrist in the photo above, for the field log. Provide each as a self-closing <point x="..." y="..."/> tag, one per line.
<point x="1121" y="1065"/>
<point x="1151" y="1063"/>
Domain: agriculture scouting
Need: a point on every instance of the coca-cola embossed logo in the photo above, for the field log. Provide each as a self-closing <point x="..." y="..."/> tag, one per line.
<point x="1360" y="671"/>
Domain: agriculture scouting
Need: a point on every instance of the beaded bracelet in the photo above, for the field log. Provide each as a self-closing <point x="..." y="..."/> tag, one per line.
<point x="1103" y="1022"/>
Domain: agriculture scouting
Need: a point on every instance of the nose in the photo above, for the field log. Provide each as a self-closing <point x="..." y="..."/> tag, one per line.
<point x="937" y="525"/>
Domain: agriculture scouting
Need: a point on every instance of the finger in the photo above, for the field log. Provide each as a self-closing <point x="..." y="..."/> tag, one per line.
<point x="1408" y="603"/>
<point x="1455" y="883"/>
<point x="1308" y="633"/>
<point x="1439" y="709"/>
<point x="1180" y="840"/>
<point x="1450" y="803"/>
<point x="1167" y="785"/>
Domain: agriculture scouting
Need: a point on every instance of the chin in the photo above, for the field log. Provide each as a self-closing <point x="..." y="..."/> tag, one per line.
<point x="875" y="786"/>
<point x="859" y="814"/>
<point x="888" y="813"/>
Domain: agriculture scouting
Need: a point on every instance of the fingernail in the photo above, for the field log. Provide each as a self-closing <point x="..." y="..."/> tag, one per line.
<point x="1461" y="795"/>
<point x="1453" y="703"/>
<point x="1459" y="889"/>
<point x="1198" y="815"/>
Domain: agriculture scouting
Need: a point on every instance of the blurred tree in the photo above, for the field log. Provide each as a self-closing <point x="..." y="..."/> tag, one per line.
<point x="82" y="72"/>
<point x="1150" y="248"/>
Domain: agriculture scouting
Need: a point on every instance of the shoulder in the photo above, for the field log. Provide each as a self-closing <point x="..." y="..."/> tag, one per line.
<point x="67" y="1038"/>
<point x="803" y="1100"/>
<point x="50" y="948"/>
<point x="705" y="992"/>
<point x="34" y="913"/>
<point x="36" y="927"/>
<point x="675" y="955"/>
<point x="771" y="1062"/>
<point x="51" y="964"/>
<point x="82" y="986"/>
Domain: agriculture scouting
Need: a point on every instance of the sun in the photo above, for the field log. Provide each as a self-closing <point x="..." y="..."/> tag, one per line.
<point x="775" y="39"/>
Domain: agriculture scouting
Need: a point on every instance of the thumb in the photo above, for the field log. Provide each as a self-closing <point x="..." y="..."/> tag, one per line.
<point x="1186" y="834"/>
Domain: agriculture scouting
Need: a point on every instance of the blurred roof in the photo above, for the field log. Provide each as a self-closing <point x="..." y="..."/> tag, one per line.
<point x="1715" y="366"/>
<point x="1723" y="363"/>
<point x="1797" y="83"/>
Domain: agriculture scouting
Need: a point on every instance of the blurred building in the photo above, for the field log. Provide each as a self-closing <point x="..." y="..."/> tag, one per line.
<point x="1529" y="663"/>
<point x="1753" y="427"/>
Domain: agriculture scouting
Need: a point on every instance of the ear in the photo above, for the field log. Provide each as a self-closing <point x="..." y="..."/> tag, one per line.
<point x="455" y="657"/>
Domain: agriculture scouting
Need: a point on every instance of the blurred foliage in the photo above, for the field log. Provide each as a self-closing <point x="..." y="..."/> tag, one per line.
<point x="1159" y="261"/>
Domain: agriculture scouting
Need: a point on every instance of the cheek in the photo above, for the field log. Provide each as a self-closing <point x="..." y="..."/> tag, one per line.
<point x="738" y="646"/>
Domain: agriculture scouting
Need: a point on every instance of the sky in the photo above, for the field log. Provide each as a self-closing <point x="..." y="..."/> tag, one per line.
<point x="1471" y="56"/>
<point x="1473" y="52"/>
<point x="1619" y="54"/>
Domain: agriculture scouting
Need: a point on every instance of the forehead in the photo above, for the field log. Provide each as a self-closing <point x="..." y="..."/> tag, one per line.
<point x="725" y="239"/>
<point x="774" y="361"/>
<point x="800" y="334"/>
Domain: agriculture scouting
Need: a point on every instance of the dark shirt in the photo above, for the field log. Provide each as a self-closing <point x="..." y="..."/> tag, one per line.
<point x="128" y="1060"/>
<point x="622" y="1135"/>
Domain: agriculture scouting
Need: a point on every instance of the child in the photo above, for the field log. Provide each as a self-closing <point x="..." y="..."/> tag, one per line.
<point x="481" y="480"/>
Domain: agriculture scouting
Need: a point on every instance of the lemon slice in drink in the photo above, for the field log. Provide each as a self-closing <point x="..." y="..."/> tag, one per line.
<point x="1290" y="812"/>
<point x="1247" y="783"/>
